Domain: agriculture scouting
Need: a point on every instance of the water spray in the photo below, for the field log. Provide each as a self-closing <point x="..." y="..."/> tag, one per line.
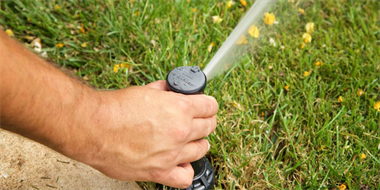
<point x="191" y="80"/>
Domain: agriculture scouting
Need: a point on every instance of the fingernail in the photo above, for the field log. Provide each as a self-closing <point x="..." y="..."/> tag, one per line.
<point x="208" y="147"/>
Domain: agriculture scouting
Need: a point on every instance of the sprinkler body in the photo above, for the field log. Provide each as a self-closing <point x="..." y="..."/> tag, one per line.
<point x="191" y="80"/>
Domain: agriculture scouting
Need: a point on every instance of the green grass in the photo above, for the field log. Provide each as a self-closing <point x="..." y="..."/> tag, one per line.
<point x="266" y="137"/>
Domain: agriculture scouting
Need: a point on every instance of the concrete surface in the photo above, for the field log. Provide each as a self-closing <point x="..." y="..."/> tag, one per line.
<point x="25" y="164"/>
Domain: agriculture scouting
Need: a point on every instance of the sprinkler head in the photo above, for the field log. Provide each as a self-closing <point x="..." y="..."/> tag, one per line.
<point x="186" y="80"/>
<point x="191" y="80"/>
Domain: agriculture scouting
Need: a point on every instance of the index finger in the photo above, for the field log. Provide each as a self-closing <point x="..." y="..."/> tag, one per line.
<point x="203" y="106"/>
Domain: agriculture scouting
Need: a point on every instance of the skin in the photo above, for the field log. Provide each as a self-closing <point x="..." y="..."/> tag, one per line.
<point x="141" y="133"/>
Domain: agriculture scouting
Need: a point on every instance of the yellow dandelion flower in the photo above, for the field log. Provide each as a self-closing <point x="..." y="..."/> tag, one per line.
<point x="377" y="106"/>
<point x="82" y="30"/>
<point x="301" y="11"/>
<point x="209" y="48"/>
<point x="83" y="45"/>
<point x="323" y="147"/>
<point x="188" y="1"/>
<point x="360" y="92"/>
<point x="116" y="68"/>
<point x="262" y="113"/>
<point x="286" y="87"/>
<point x="243" y="2"/>
<point x="217" y="19"/>
<point x="318" y="63"/>
<point x="59" y="45"/>
<point x="363" y="156"/>
<point x="269" y="18"/>
<point x="137" y="13"/>
<point x="340" y="99"/>
<point x="194" y="10"/>
<point x="57" y="7"/>
<point x="306" y="73"/>
<point x="229" y="4"/>
<point x="9" y="32"/>
<point x="125" y="65"/>
<point x="309" y="27"/>
<point x="302" y="45"/>
<point x="242" y="40"/>
<point x="254" y="31"/>
<point x="342" y="187"/>
<point x="306" y="37"/>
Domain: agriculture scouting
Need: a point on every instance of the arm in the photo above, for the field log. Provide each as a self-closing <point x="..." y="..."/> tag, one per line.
<point x="139" y="133"/>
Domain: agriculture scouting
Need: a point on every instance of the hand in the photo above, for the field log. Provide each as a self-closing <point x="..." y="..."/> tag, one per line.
<point x="150" y="134"/>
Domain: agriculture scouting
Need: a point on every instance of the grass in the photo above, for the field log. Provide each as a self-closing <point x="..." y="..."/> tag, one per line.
<point x="267" y="137"/>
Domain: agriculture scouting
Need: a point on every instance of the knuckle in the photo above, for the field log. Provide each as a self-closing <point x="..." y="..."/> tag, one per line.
<point x="181" y="134"/>
<point x="184" y="104"/>
<point x="186" y="183"/>
<point x="156" y="174"/>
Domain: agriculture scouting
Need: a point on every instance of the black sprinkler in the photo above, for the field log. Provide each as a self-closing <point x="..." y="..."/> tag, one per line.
<point x="191" y="80"/>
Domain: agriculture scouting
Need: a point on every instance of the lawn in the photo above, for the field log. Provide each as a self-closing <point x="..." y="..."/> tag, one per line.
<point x="296" y="115"/>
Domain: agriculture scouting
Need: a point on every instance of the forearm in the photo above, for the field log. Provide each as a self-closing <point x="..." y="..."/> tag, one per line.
<point x="38" y="101"/>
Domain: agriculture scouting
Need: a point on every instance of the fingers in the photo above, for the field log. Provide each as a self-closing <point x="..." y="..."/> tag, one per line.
<point x="193" y="151"/>
<point x="159" y="85"/>
<point x="203" y="106"/>
<point x="180" y="177"/>
<point x="202" y="128"/>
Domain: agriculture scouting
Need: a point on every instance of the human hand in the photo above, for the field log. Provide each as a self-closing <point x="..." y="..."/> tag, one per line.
<point x="150" y="134"/>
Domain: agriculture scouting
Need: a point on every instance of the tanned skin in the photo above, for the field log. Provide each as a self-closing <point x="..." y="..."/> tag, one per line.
<point x="141" y="133"/>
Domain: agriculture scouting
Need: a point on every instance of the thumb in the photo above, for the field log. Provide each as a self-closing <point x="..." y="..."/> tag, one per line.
<point x="159" y="85"/>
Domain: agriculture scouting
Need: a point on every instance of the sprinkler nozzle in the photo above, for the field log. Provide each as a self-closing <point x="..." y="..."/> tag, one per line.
<point x="191" y="80"/>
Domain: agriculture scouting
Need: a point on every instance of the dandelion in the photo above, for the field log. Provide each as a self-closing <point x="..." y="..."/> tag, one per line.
<point x="269" y="18"/>
<point x="377" y="106"/>
<point x="229" y="4"/>
<point x="309" y="27"/>
<point x="318" y="63"/>
<point x="242" y="40"/>
<point x="83" y="45"/>
<point x="363" y="156"/>
<point x="209" y="48"/>
<point x="360" y="92"/>
<point x="301" y="11"/>
<point x="188" y="1"/>
<point x="57" y="7"/>
<point x="272" y="42"/>
<point x="82" y="30"/>
<point x="342" y="187"/>
<point x="340" y="99"/>
<point x="137" y="13"/>
<point x="194" y="10"/>
<point x="286" y="87"/>
<point x="217" y="19"/>
<point x="306" y="37"/>
<point x="302" y="45"/>
<point x="59" y="45"/>
<point x="125" y="65"/>
<point x="9" y="32"/>
<point x="262" y="113"/>
<point x="116" y="68"/>
<point x="306" y="73"/>
<point x="254" y="31"/>
<point x="323" y="147"/>
<point x="243" y="2"/>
